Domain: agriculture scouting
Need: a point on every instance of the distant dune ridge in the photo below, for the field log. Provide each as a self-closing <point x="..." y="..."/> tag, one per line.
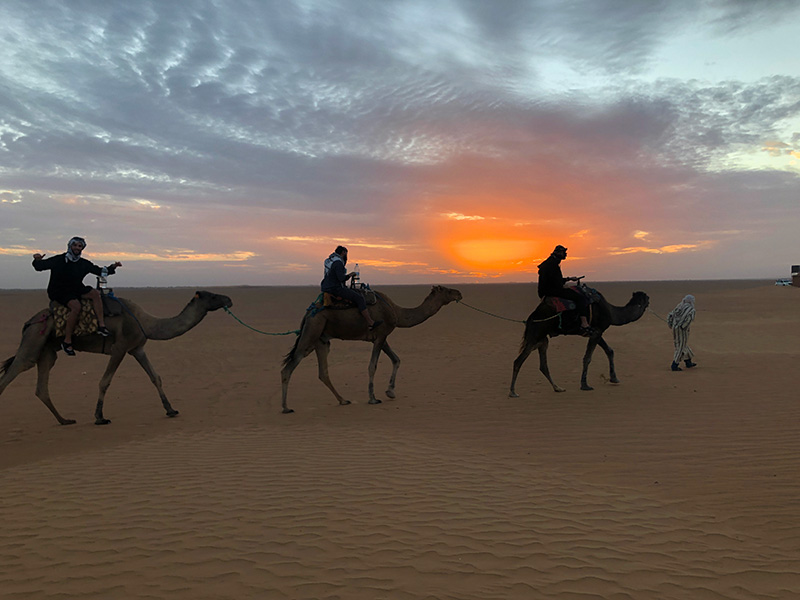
<point x="667" y="485"/>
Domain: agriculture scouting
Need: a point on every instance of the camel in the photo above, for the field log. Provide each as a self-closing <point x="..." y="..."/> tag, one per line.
<point x="317" y="329"/>
<point x="542" y="323"/>
<point x="129" y="333"/>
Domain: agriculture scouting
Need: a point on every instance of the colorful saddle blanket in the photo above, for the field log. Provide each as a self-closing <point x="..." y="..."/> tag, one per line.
<point x="562" y="305"/>
<point x="87" y="321"/>
<point x="559" y="304"/>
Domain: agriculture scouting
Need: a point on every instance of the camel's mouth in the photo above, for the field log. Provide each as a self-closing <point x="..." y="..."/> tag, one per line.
<point x="225" y="303"/>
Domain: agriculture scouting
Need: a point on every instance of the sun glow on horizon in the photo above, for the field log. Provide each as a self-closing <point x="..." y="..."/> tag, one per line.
<point x="498" y="254"/>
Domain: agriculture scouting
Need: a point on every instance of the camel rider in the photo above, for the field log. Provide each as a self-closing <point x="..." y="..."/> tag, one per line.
<point x="66" y="286"/>
<point x="334" y="283"/>
<point x="551" y="283"/>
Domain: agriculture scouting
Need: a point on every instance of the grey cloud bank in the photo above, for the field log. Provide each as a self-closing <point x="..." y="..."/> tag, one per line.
<point x="223" y="128"/>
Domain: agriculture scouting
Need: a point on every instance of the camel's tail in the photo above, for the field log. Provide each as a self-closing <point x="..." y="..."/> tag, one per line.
<point x="6" y="364"/>
<point x="290" y="356"/>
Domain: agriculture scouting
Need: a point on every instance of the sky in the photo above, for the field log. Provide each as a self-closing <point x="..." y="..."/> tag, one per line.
<point x="234" y="142"/>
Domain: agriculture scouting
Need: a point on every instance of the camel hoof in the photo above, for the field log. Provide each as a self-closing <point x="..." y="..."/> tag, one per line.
<point x="390" y="394"/>
<point x="513" y="395"/>
<point x="287" y="411"/>
<point x="67" y="422"/>
<point x="173" y="413"/>
<point x="614" y="380"/>
<point x="375" y="401"/>
<point x="344" y="402"/>
<point x="102" y="421"/>
<point x="559" y="389"/>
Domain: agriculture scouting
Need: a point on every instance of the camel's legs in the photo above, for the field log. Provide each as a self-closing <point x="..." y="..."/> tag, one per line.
<point x="142" y="359"/>
<point x="587" y="358"/>
<point x="377" y="346"/>
<point x="543" y="364"/>
<point x="45" y="364"/>
<point x="18" y="365"/>
<point x="610" y="354"/>
<point x="395" y="365"/>
<point x="523" y="355"/>
<point x="30" y="348"/>
<point x="323" y="349"/>
<point x="105" y="381"/>
<point x="286" y="374"/>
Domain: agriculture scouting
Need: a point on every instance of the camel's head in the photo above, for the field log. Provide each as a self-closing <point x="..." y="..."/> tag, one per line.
<point x="447" y="295"/>
<point x="212" y="301"/>
<point x="640" y="299"/>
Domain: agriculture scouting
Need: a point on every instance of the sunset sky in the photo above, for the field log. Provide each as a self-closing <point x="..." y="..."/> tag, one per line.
<point x="225" y="142"/>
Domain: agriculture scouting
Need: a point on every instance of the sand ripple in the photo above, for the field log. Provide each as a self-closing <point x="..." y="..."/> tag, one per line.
<point x="285" y="514"/>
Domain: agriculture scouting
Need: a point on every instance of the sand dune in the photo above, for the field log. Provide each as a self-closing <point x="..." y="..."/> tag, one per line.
<point x="668" y="485"/>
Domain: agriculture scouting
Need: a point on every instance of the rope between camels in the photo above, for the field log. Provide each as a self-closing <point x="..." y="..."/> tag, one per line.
<point x="488" y="313"/>
<point x="557" y="315"/>
<point x="225" y="308"/>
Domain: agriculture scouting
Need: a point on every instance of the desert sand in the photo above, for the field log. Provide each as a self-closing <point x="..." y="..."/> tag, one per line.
<point x="666" y="485"/>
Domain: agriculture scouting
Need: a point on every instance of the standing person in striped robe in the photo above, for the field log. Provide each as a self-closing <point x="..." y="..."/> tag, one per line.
<point x="680" y="319"/>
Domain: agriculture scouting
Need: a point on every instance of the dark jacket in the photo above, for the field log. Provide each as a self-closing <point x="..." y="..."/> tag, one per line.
<point x="335" y="277"/>
<point x="66" y="277"/>
<point x="551" y="281"/>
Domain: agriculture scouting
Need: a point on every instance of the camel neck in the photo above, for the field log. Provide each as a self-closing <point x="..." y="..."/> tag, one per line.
<point x="622" y="315"/>
<point x="172" y="327"/>
<point x="409" y="317"/>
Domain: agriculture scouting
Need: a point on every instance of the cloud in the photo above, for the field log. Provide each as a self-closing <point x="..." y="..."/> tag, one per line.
<point x="670" y="249"/>
<point x="460" y="217"/>
<point x="278" y="129"/>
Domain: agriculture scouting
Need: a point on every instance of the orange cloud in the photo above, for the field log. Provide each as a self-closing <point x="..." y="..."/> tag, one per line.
<point x="671" y="249"/>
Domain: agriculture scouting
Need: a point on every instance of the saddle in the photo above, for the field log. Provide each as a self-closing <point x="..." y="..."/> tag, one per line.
<point x="562" y="304"/>
<point x="87" y="320"/>
<point x="331" y="301"/>
<point x="558" y="304"/>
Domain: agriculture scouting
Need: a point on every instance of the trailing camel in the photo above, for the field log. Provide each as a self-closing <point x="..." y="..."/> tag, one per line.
<point x="545" y="323"/>
<point x="129" y="333"/>
<point x="318" y="328"/>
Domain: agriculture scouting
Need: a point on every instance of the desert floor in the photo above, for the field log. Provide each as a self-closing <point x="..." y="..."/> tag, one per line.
<point x="667" y="485"/>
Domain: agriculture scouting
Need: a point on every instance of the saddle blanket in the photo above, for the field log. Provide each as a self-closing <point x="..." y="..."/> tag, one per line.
<point x="562" y="305"/>
<point x="87" y="321"/>
<point x="559" y="304"/>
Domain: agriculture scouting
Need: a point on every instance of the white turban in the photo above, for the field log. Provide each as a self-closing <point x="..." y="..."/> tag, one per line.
<point x="683" y="314"/>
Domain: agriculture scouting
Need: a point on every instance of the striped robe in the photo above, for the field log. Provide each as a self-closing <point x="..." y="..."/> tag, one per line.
<point x="680" y="320"/>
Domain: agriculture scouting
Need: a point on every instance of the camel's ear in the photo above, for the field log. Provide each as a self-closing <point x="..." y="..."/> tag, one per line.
<point x="197" y="295"/>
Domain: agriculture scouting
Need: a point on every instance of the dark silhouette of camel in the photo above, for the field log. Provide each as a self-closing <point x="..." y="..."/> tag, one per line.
<point x="544" y="323"/>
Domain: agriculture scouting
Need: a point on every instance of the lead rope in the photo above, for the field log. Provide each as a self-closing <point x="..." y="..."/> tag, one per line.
<point x="225" y="308"/>
<point x="488" y="313"/>
<point x="652" y="312"/>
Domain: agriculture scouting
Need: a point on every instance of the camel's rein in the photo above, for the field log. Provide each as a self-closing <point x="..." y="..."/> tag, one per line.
<point x="486" y="312"/>
<point x="225" y="308"/>
<point x="656" y="314"/>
